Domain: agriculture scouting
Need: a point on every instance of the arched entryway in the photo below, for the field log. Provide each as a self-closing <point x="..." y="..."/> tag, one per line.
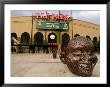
<point x="38" y="38"/>
<point x="76" y="35"/>
<point x="88" y="37"/>
<point x="52" y="41"/>
<point x="13" y="38"/>
<point x="65" y="40"/>
<point x="95" y="43"/>
<point x="14" y="35"/>
<point x="25" y="38"/>
<point x="13" y="42"/>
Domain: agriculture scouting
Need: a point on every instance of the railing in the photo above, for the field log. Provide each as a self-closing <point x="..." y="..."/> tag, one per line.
<point x="33" y="48"/>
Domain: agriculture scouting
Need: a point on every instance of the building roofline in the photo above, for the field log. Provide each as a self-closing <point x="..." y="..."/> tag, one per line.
<point x="86" y="22"/>
<point x="72" y="19"/>
<point x="20" y="16"/>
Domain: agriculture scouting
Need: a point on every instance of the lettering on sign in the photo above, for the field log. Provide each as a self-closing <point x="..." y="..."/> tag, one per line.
<point x="50" y="25"/>
<point x="53" y="17"/>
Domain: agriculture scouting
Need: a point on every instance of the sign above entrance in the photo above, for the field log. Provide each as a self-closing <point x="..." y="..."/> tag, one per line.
<point x="52" y="25"/>
<point x="52" y="17"/>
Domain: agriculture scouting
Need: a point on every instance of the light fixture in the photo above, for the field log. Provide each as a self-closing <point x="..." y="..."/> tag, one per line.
<point x="52" y="36"/>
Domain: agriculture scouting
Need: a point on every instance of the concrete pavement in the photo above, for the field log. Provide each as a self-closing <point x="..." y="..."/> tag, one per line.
<point x="42" y="65"/>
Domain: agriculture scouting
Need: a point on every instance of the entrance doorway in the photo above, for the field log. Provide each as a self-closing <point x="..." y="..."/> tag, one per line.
<point x="38" y="40"/>
<point x="52" y="40"/>
<point x="13" y="42"/>
<point x="25" y="38"/>
<point x="65" y="40"/>
<point x="13" y="36"/>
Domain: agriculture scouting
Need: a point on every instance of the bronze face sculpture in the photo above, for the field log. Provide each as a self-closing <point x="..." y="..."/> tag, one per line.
<point x="79" y="56"/>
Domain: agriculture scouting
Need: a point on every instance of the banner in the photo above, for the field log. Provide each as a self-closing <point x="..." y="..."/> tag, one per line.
<point x="52" y="25"/>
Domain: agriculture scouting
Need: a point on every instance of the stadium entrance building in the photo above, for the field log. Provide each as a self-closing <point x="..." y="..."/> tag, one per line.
<point x="45" y="32"/>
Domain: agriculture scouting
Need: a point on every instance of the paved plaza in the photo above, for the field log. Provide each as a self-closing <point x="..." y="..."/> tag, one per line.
<point x="42" y="65"/>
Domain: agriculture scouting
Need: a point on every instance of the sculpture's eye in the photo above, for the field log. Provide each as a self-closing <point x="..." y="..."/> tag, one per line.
<point x="78" y="52"/>
<point x="91" y="52"/>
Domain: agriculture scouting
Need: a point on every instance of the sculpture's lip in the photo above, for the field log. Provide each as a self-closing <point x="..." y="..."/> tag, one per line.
<point x="86" y="67"/>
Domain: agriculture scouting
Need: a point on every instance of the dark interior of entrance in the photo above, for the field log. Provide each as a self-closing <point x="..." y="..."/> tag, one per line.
<point x="65" y="40"/>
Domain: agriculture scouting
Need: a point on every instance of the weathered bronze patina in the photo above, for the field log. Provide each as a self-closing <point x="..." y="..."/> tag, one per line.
<point x="79" y="56"/>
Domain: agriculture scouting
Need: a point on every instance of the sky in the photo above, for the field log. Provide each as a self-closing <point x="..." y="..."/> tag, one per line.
<point x="89" y="16"/>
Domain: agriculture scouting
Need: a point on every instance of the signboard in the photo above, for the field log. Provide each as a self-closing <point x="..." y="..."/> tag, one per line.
<point x="52" y="16"/>
<point x="52" y="25"/>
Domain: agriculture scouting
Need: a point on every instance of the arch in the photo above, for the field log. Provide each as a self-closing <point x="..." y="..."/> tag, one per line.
<point x="95" y="43"/>
<point x="52" y="38"/>
<point x="76" y="35"/>
<point x="25" y="38"/>
<point x="95" y="39"/>
<point x="65" y="38"/>
<point x="14" y="35"/>
<point x="38" y="38"/>
<point x="88" y="37"/>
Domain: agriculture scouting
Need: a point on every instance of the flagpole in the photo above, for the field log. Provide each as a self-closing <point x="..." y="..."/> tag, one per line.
<point x="72" y="24"/>
<point x="32" y="29"/>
